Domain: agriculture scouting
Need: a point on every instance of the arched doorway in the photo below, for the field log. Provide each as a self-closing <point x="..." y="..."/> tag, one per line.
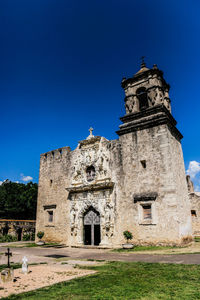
<point x="91" y="222"/>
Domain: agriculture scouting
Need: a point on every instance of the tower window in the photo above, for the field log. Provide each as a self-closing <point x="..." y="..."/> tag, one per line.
<point x="90" y="173"/>
<point x="142" y="97"/>
<point x="51" y="181"/>
<point x="143" y="163"/>
<point x="193" y="213"/>
<point x="147" y="212"/>
<point x="50" y="215"/>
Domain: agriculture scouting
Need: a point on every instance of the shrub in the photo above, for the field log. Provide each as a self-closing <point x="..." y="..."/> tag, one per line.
<point x="26" y="237"/>
<point x="128" y="235"/>
<point x="40" y="234"/>
<point x="8" y="238"/>
<point x="33" y="236"/>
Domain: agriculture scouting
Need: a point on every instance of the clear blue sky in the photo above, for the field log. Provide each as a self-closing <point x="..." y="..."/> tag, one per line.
<point x="61" y="65"/>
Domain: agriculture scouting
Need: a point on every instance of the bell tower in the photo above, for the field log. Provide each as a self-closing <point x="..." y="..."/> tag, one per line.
<point x="154" y="182"/>
<point x="147" y="100"/>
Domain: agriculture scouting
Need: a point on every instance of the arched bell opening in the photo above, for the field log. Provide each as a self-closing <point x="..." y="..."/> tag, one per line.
<point x="91" y="227"/>
<point x="142" y="97"/>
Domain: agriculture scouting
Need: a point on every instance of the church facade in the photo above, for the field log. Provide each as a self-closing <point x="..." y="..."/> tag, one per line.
<point x="137" y="182"/>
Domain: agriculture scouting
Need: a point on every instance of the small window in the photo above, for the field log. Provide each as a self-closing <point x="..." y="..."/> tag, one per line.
<point x="60" y="151"/>
<point x="193" y="213"/>
<point x="90" y="173"/>
<point x="147" y="212"/>
<point x="51" y="181"/>
<point x="143" y="163"/>
<point x="50" y="213"/>
<point x="52" y="153"/>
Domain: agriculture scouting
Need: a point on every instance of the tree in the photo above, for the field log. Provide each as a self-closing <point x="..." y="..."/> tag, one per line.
<point x="18" y="200"/>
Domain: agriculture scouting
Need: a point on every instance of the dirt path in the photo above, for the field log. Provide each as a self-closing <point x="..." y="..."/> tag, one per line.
<point x="37" y="255"/>
<point x="40" y="276"/>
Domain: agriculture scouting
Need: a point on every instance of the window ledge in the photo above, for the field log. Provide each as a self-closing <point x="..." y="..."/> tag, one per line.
<point x="49" y="225"/>
<point x="147" y="223"/>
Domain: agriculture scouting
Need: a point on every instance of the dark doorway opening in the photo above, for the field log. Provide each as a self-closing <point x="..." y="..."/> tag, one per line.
<point x="92" y="230"/>
<point x="19" y="234"/>
<point x="96" y="235"/>
<point x="87" y="229"/>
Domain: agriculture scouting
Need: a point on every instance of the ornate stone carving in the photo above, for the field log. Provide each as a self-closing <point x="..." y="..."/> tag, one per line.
<point x="129" y="105"/>
<point x="100" y="201"/>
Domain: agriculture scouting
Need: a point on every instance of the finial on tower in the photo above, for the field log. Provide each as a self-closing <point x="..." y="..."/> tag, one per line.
<point x="143" y="64"/>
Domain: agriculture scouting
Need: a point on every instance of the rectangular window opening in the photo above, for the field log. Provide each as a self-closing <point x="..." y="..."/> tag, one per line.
<point x="193" y="213"/>
<point x="50" y="213"/>
<point x="147" y="212"/>
<point x="143" y="163"/>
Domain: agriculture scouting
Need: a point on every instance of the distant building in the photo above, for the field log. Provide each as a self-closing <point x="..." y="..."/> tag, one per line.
<point x="195" y="207"/>
<point x="137" y="182"/>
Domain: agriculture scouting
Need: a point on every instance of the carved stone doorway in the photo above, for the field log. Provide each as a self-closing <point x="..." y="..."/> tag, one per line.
<point x="92" y="232"/>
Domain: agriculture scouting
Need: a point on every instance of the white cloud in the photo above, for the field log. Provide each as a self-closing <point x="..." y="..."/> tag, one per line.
<point x="1" y="182"/>
<point x="26" y="178"/>
<point x="197" y="188"/>
<point x="193" y="169"/>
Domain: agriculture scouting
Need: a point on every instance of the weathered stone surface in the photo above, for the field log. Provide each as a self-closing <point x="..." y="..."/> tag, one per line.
<point x="135" y="183"/>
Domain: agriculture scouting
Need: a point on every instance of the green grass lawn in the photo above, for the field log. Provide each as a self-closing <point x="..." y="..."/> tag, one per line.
<point x="30" y="245"/>
<point x="145" y="248"/>
<point x="121" y="280"/>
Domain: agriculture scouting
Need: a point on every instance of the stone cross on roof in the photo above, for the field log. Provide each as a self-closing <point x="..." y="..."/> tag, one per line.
<point x="90" y="130"/>
<point x="91" y="135"/>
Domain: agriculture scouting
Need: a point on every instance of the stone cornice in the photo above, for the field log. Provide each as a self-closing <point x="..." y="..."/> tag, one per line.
<point x="145" y="197"/>
<point x="143" y="75"/>
<point x="91" y="187"/>
<point x="151" y="117"/>
<point x="92" y="140"/>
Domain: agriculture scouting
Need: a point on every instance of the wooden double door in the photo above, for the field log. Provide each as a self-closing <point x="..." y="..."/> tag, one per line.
<point x="92" y="232"/>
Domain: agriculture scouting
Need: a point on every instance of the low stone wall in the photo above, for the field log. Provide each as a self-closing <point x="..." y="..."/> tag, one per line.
<point x="195" y="212"/>
<point x="17" y="227"/>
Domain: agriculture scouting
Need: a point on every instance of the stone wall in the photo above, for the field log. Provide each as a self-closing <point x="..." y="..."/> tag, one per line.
<point x="54" y="178"/>
<point x="17" y="228"/>
<point x="160" y="184"/>
<point x="195" y="212"/>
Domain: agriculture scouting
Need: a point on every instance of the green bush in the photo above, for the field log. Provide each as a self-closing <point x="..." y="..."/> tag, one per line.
<point x="7" y="238"/>
<point x="26" y="237"/>
<point x="33" y="236"/>
<point x="40" y="234"/>
<point x="128" y="235"/>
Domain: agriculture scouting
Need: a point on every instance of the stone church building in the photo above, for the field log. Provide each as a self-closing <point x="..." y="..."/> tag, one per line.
<point x="137" y="182"/>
